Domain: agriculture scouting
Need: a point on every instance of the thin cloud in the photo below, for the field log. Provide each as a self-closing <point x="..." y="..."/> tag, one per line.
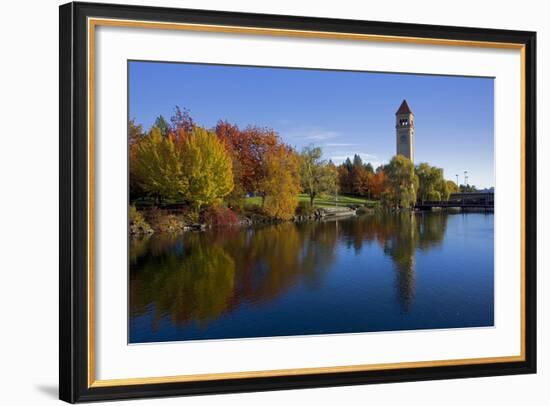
<point x="322" y="135"/>
<point x="313" y="134"/>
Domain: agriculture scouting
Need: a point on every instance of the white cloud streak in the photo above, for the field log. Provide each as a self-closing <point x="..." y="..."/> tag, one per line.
<point x="336" y="144"/>
<point x="311" y="133"/>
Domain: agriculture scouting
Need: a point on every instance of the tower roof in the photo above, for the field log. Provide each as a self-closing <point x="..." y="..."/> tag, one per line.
<point x="404" y="108"/>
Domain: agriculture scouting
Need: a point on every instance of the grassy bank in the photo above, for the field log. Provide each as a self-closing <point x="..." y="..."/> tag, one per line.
<point x="146" y="218"/>
<point x="326" y="201"/>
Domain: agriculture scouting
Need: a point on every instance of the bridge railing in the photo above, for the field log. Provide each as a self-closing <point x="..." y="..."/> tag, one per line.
<point x="455" y="203"/>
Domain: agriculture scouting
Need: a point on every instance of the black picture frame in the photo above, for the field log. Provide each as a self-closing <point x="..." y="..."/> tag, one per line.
<point x="74" y="199"/>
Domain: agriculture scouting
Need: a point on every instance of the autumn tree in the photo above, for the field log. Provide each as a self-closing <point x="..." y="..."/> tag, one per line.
<point x="360" y="181"/>
<point x="181" y="120"/>
<point x="250" y="146"/>
<point x="377" y="183"/>
<point x="354" y="177"/>
<point x="135" y="132"/>
<point x="281" y="183"/>
<point x="181" y="126"/>
<point x="235" y="199"/>
<point x="359" y="177"/>
<point x="227" y="134"/>
<point x="331" y="168"/>
<point x="257" y="142"/>
<point x="156" y="166"/>
<point x="317" y="176"/>
<point x="345" y="178"/>
<point x="207" y="167"/>
<point x="401" y="181"/>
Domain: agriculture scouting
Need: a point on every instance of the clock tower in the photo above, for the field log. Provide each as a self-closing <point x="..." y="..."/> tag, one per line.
<point x="404" y="126"/>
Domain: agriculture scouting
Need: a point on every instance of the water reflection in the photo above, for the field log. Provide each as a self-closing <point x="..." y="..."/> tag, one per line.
<point x="189" y="281"/>
<point x="400" y="235"/>
<point x="196" y="277"/>
<point x="409" y="233"/>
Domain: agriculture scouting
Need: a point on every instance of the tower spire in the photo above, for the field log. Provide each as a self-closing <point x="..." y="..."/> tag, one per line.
<point x="404" y="108"/>
<point x="404" y="128"/>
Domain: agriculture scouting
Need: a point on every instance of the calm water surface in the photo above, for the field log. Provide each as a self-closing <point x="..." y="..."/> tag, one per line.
<point x="360" y="274"/>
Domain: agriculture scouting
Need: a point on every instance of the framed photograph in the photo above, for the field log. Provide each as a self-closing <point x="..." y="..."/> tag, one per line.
<point x="255" y="202"/>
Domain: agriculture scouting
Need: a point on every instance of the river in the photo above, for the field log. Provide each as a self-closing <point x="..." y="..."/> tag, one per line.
<point x="359" y="274"/>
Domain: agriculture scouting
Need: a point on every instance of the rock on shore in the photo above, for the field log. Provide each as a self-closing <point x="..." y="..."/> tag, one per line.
<point x="326" y="212"/>
<point x="173" y="224"/>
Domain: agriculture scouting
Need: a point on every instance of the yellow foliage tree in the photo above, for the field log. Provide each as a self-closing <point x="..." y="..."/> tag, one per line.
<point x="281" y="184"/>
<point x="156" y="166"/>
<point x="401" y="181"/>
<point x="207" y="167"/>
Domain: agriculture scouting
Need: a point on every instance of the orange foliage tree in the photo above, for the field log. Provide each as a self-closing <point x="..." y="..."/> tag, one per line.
<point x="377" y="183"/>
<point x="354" y="177"/>
<point x="360" y="181"/>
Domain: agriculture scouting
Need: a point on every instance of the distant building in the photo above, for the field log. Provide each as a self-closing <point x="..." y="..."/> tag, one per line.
<point x="404" y="126"/>
<point x="473" y="197"/>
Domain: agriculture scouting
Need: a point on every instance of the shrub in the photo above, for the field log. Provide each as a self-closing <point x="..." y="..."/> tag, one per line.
<point x="163" y="222"/>
<point x="189" y="216"/>
<point x="138" y="225"/>
<point x="219" y="216"/>
<point x="169" y="223"/>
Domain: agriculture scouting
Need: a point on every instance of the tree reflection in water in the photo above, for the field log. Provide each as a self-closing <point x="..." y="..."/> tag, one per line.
<point x="197" y="277"/>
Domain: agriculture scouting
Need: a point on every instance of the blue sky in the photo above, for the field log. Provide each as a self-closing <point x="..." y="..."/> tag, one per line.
<point x="345" y="113"/>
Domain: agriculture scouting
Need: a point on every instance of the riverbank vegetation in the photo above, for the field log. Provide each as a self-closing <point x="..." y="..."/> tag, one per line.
<point x="183" y="175"/>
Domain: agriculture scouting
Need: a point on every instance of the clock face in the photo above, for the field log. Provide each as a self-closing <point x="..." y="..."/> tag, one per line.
<point x="403" y="137"/>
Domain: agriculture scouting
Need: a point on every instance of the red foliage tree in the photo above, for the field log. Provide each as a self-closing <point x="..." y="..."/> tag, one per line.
<point x="181" y="125"/>
<point x="181" y="120"/>
<point x="250" y="146"/>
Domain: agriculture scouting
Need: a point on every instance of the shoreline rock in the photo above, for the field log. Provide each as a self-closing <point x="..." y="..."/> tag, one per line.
<point x="251" y="219"/>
